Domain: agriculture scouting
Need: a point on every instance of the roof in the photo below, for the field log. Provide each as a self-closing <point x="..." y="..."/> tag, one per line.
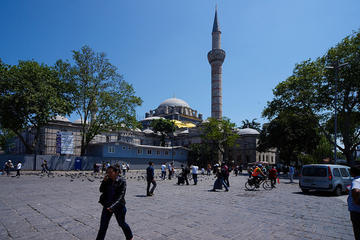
<point x="151" y="118"/>
<point x="248" y="131"/>
<point x="174" y="102"/>
<point x="181" y="124"/>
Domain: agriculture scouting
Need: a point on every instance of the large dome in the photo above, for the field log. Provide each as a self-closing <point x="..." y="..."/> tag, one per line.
<point x="174" y="102"/>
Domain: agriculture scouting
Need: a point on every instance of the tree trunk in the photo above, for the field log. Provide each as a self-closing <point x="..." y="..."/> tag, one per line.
<point x="28" y="148"/>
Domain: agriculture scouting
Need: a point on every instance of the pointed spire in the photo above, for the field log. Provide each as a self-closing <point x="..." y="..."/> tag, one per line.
<point x="216" y="27"/>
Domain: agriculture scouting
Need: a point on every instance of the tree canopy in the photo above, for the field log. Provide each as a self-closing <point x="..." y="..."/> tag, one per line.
<point x="253" y="124"/>
<point x="101" y="97"/>
<point x="313" y="87"/>
<point x="219" y="136"/>
<point x="164" y="127"/>
<point x="31" y="94"/>
<point x="292" y="133"/>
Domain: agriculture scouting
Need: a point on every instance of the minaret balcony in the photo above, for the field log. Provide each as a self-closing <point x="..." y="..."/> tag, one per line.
<point x="216" y="55"/>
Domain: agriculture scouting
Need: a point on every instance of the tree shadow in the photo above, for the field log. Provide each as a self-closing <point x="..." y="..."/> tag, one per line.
<point x="141" y="195"/>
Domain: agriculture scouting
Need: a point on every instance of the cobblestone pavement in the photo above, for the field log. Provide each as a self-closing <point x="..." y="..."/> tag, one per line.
<point x="66" y="207"/>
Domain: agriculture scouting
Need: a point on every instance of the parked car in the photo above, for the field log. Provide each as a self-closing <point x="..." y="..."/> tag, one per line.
<point x="325" y="177"/>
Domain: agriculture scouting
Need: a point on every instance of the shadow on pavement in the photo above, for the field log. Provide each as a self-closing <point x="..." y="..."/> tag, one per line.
<point x="140" y="195"/>
<point x="318" y="194"/>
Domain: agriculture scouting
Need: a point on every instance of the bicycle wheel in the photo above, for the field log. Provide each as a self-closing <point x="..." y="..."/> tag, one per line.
<point x="249" y="187"/>
<point x="267" y="185"/>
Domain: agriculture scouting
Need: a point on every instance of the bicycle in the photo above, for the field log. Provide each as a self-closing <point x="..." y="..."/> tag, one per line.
<point x="251" y="184"/>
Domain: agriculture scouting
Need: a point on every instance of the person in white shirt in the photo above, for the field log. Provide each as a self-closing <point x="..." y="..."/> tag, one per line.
<point x="18" y="168"/>
<point x="194" y="170"/>
<point x="163" y="171"/>
<point x="123" y="168"/>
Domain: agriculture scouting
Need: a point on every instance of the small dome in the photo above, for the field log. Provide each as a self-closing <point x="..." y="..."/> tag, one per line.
<point x="248" y="131"/>
<point x="61" y="118"/>
<point x="174" y="102"/>
<point x="148" y="131"/>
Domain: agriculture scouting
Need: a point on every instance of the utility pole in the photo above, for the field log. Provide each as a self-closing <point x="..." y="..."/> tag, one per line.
<point x="336" y="66"/>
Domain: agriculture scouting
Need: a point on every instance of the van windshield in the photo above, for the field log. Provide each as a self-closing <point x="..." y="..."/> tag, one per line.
<point x="314" y="171"/>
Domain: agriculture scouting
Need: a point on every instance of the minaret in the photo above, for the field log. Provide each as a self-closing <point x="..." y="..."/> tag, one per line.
<point x="216" y="58"/>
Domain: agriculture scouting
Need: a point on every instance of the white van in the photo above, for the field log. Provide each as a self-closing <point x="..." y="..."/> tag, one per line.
<point x="325" y="177"/>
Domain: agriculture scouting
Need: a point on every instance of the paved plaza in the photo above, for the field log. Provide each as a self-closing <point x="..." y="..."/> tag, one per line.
<point x="66" y="207"/>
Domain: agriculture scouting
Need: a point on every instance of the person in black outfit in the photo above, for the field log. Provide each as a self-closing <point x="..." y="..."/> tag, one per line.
<point x="184" y="173"/>
<point x="113" y="189"/>
<point x="150" y="180"/>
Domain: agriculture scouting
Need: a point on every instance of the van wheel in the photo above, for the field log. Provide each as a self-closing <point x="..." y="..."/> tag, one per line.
<point x="305" y="190"/>
<point x="338" y="191"/>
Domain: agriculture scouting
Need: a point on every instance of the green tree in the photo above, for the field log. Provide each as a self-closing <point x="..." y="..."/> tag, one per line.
<point x="292" y="133"/>
<point x="201" y="154"/>
<point x="164" y="127"/>
<point x="31" y="94"/>
<point x="5" y="136"/>
<point x="253" y="124"/>
<point x="219" y="136"/>
<point x="312" y="87"/>
<point x="102" y="99"/>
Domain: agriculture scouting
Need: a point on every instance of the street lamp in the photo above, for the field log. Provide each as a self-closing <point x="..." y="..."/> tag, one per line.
<point x="336" y="66"/>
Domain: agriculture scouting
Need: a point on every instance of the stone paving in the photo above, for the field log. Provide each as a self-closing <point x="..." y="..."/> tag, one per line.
<point x="65" y="206"/>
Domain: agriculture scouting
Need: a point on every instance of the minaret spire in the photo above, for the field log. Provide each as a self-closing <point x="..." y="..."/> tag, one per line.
<point x="216" y="27"/>
<point x="216" y="58"/>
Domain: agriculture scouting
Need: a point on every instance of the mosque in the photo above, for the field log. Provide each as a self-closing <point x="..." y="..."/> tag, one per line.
<point x="63" y="138"/>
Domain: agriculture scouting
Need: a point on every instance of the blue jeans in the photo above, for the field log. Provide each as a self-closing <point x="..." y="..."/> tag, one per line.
<point x="291" y="175"/>
<point x="224" y="184"/>
<point x="195" y="178"/>
<point x="120" y="218"/>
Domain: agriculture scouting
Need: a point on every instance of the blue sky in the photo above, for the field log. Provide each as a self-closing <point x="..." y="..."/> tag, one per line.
<point x="161" y="46"/>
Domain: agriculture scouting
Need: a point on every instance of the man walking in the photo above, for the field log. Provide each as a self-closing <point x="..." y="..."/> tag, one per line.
<point x="123" y="168"/>
<point x="194" y="170"/>
<point x="273" y="176"/>
<point x="225" y="172"/>
<point x="44" y="167"/>
<point x="113" y="189"/>
<point x="163" y="171"/>
<point x="184" y="172"/>
<point x="18" y="168"/>
<point x="291" y="173"/>
<point x="150" y="178"/>
<point x="170" y="170"/>
<point x="8" y="166"/>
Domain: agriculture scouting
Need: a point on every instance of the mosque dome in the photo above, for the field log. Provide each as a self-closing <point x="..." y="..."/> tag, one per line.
<point x="248" y="131"/>
<point x="174" y="102"/>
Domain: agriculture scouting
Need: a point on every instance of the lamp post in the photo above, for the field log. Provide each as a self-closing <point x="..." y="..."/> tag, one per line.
<point x="336" y="66"/>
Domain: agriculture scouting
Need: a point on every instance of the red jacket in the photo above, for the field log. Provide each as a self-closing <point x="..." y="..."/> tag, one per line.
<point x="272" y="173"/>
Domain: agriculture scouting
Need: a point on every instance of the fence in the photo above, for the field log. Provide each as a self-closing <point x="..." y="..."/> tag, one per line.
<point x="68" y="162"/>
